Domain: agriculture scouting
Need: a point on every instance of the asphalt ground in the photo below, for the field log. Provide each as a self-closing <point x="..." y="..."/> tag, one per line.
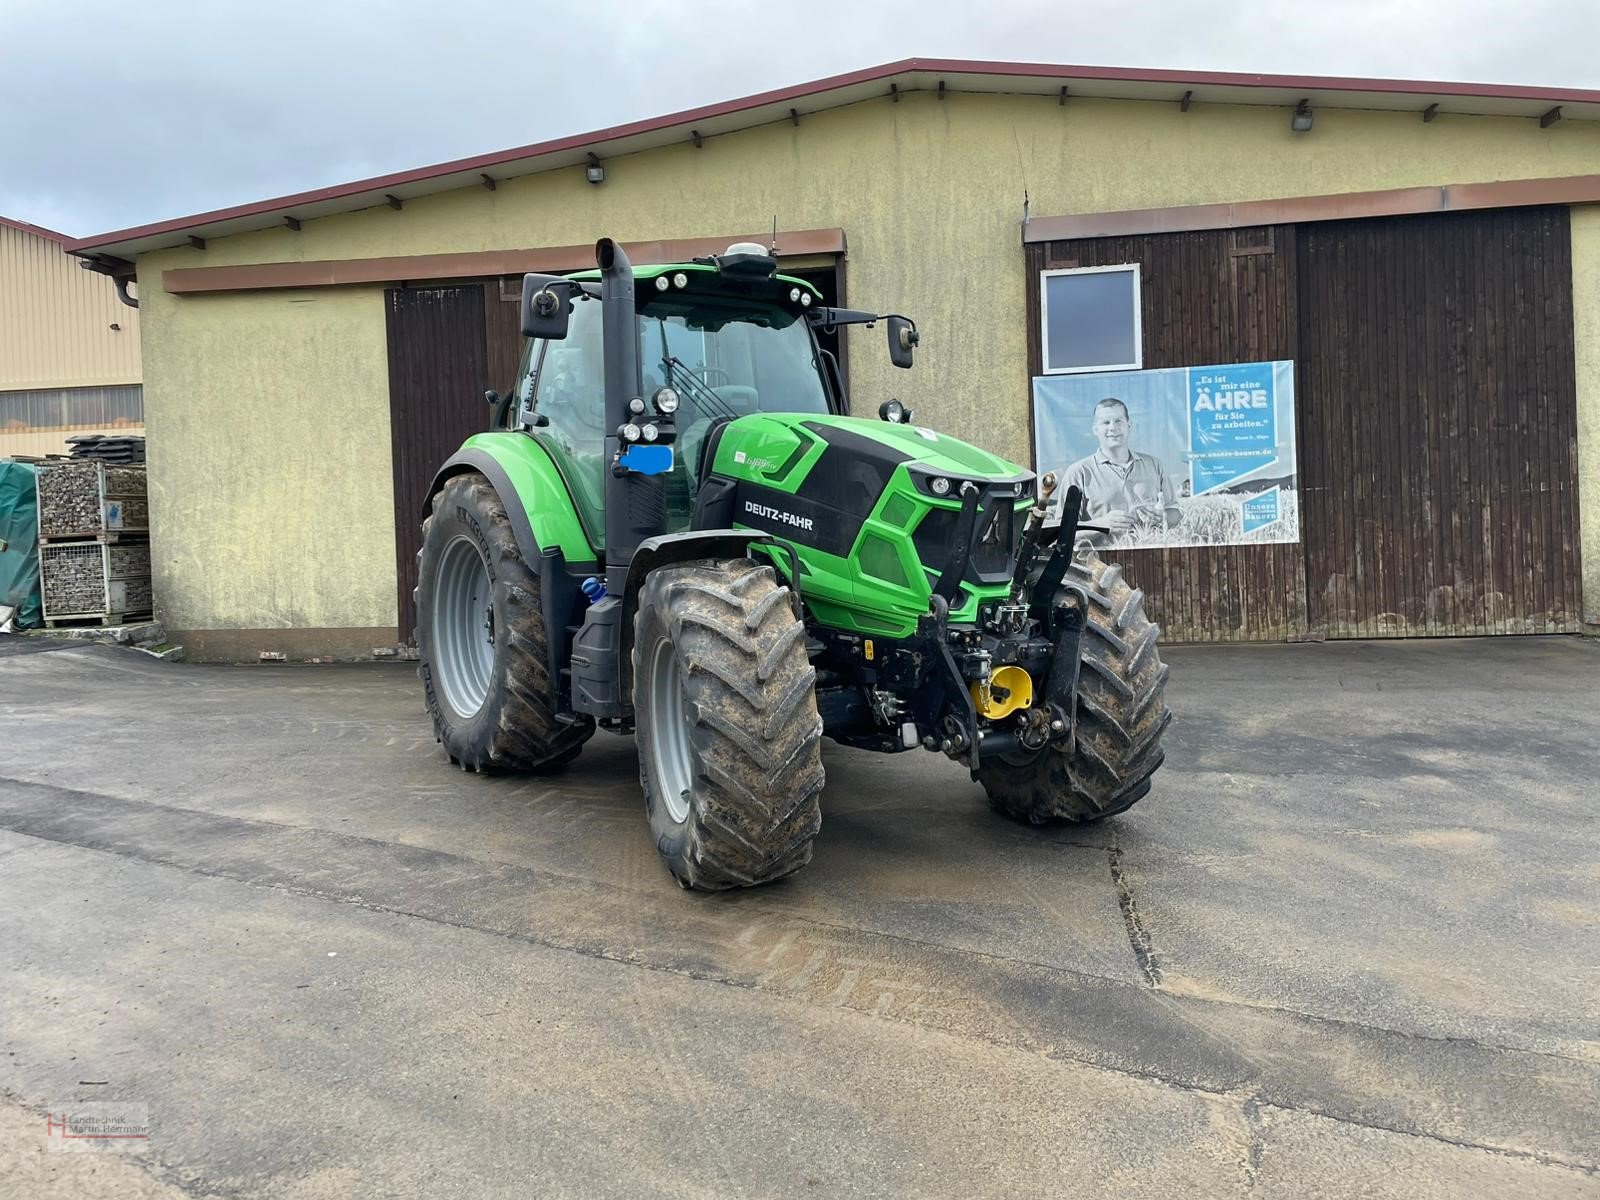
<point x="1349" y="945"/>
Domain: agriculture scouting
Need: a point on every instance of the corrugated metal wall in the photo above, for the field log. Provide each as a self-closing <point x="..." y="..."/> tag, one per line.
<point x="1439" y="425"/>
<point x="438" y="371"/>
<point x="39" y="422"/>
<point x="1436" y="411"/>
<point x="56" y="318"/>
<point x="1216" y="296"/>
<point x="58" y="408"/>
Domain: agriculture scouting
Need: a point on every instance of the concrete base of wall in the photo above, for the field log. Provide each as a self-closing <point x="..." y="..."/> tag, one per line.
<point x="296" y="645"/>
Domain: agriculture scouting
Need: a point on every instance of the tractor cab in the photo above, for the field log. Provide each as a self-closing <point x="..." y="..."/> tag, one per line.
<point x="716" y="340"/>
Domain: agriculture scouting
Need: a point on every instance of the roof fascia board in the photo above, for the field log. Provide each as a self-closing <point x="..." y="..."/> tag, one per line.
<point x="417" y="268"/>
<point x="1455" y="197"/>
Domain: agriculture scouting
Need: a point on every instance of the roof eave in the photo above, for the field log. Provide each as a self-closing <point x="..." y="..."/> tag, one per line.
<point x="1327" y="91"/>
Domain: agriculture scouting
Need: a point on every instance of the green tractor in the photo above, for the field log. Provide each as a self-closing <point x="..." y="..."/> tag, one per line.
<point x="674" y="530"/>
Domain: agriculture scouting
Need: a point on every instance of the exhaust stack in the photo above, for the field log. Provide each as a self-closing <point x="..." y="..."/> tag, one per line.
<point x="635" y="504"/>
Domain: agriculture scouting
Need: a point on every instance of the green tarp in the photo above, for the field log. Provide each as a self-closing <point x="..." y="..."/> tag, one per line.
<point x="19" y="533"/>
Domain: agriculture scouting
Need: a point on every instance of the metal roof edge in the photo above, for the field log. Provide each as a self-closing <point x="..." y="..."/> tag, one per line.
<point x="38" y="230"/>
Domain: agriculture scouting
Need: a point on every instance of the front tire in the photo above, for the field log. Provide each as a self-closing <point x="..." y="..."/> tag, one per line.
<point x="730" y="743"/>
<point x="481" y="639"/>
<point x="1121" y="714"/>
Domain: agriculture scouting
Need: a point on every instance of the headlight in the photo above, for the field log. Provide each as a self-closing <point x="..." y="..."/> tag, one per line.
<point x="940" y="486"/>
<point x="794" y="295"/>
<point x="680" y="280"/>
<point x="662" y="283"/>
<point x="636" y="405"/>
<point x="629" y="432"/>
<point x="650" y="433"/>
<point x="666" y="401"/>
<point x="805" y="299"/>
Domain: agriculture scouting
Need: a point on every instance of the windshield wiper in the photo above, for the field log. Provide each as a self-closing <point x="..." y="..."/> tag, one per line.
<point x="699" y="391"/>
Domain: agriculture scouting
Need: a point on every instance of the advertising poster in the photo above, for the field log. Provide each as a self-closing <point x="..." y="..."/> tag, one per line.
<point x="1183" y="456"/>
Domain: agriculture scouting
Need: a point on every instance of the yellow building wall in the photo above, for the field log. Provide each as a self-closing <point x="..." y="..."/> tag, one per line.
<point x="56" y="319"/>
<point x="930" y="194"/>
<point x="267" y="419"/>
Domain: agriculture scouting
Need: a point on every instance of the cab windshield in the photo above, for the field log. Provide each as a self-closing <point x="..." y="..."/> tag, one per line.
<point x="729" y="360"/>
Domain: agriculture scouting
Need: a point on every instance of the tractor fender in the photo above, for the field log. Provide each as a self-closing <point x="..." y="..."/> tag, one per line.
<point x="537" y="501"/>
<point x="664" y="550"/>
<point x="543" y="520"/>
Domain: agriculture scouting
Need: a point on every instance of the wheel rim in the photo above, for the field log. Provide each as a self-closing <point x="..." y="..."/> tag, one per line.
<point x="669" y="731"/>
<point x="463" y="626"/>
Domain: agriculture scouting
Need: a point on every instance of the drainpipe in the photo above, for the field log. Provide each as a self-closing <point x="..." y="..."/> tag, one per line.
<point x="120" y="271"/>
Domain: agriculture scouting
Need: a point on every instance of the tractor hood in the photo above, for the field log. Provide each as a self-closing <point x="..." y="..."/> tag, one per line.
<point x="761" y="435"/>
<point x="872" y="509"/>
<point x="938" y="452"/>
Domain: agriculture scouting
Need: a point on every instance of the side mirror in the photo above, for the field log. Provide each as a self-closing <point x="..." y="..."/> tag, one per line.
<point x="546" y="306"/>
<point x="903" y="339"/>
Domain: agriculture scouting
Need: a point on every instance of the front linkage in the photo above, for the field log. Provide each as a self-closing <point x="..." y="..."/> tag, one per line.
<point x="969" y="691"/>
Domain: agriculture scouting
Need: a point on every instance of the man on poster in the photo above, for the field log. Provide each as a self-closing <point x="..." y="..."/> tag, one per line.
<point x="1123" y="490"/>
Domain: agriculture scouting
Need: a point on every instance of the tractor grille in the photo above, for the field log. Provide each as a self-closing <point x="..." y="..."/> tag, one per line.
<point x="992" y="548"/>
<point x="991" y="552"/>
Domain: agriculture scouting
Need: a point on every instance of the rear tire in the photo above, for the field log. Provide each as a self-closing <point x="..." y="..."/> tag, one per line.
<point x="730" y="743"/>
<point x="481" y="640"/>
<point x="1121" y="714"/>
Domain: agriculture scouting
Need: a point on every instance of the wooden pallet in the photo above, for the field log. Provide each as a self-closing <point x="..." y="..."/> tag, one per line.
<point x="111" y="537"/>
<point x="90" y="620"/>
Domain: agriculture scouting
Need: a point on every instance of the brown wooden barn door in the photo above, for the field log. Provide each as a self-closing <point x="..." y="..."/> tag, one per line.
<point x="438" y="372"/>
<point x="1438" y="425"/>
<point x="1208" y="297"/>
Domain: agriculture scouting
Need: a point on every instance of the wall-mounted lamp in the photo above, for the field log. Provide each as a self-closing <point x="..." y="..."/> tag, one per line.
<point x="1301" y="120"/>
<point x="594" y="172"/>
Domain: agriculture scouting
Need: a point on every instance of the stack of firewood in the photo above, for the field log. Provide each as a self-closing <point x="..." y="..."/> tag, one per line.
<point x="94" y="548"/>
<point x="88" y="499"/>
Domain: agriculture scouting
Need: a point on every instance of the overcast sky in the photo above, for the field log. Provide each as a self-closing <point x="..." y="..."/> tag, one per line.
<point x="117" y="113"/>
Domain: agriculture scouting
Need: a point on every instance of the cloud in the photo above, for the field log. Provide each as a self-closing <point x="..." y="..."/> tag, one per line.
<point x="118" y="113"/>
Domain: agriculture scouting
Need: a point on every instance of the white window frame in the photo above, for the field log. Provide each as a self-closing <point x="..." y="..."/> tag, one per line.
<point x="1138" y="319"/>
